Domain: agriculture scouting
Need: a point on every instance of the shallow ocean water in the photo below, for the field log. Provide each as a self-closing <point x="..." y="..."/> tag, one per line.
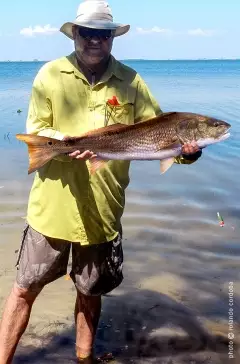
<point x="177" y="257"/>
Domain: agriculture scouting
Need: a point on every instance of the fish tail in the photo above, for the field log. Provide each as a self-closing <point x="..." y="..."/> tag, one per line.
<point x="39" y="150"/>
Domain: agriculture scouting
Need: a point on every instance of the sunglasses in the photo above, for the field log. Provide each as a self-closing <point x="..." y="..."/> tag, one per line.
<point x="88" y="33"/>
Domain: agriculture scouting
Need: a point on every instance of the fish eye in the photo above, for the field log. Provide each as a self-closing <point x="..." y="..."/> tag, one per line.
<point x="216" y="123"/>
<point x="49" y="143"/>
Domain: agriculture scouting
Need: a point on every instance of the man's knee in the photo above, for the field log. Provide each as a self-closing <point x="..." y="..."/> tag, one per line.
<point x="28" y="294"/>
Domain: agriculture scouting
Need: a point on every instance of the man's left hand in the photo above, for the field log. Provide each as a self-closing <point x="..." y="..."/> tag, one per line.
<point x="190" y="148"/>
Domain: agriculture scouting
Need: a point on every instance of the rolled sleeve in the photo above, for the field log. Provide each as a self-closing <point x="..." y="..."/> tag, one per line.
<point x="188" y="158"/>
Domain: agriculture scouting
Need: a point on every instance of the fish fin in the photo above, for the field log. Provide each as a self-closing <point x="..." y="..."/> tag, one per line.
<point x="165" y="164"/>
<point x="105" y="129"/>
<point x="96" y="163"/>
<point x="39" y="152"/>
<point x="170" y="113"/>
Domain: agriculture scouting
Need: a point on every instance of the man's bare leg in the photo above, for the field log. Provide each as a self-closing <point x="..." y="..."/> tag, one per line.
<point x="14" y="321"/>
<point x="87" y="313"/>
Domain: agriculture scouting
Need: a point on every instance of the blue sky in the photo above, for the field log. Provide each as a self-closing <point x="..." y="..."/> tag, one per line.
<point x="170" y="29"/>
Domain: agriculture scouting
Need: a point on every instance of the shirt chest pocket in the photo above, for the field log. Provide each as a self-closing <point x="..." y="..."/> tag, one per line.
<point x="122" y="113"/>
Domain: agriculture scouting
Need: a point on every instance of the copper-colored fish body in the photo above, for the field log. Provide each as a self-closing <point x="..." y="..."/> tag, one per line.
<point x="159" y="138"/>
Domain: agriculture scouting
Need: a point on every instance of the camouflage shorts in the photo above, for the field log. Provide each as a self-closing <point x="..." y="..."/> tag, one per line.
<point x="96" y="269"/>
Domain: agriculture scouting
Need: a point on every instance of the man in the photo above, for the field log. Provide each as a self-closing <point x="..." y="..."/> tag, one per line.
<point x="67" y="206"/>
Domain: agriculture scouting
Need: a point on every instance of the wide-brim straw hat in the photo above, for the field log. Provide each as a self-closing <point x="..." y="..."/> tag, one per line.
<point x="95" y="14"/>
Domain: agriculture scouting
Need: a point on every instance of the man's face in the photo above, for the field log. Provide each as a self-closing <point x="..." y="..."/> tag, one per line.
<point x="92" y="46"/>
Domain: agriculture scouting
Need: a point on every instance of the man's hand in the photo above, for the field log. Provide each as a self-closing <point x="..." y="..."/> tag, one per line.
<point x="87" y="154"/>
<point x="190" y="148"/>
<point x="83" y="156"/>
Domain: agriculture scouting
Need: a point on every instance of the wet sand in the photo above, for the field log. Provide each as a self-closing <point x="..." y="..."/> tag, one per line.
<point x="173" y="304"/>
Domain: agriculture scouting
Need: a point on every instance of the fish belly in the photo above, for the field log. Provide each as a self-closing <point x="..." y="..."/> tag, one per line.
<point x="161" y="154"/>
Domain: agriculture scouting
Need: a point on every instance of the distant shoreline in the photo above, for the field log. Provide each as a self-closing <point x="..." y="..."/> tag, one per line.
<point x="144" y="60"/>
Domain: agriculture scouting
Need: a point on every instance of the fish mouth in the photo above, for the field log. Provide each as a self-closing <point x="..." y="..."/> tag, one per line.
<point x="226" y="135"/>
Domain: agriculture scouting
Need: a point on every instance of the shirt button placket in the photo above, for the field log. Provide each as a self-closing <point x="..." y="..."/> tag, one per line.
<point x="91" y="107"/>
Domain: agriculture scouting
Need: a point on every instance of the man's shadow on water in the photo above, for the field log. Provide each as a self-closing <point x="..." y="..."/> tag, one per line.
<point x="137" y="325"/>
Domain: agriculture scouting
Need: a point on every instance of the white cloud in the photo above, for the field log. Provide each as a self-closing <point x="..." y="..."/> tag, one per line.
<point x="192" y="32"/>
<point x="38" y="29"/>
<point x="155" y="29"/>
<point x="201" y="32"/>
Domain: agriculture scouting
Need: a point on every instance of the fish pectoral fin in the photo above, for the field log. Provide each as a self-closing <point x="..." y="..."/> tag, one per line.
<point x="165" y="164"/>
<point x="96" y="163"/>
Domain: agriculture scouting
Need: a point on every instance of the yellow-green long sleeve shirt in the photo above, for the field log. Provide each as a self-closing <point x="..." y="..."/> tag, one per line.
<point x="65" y="201"/>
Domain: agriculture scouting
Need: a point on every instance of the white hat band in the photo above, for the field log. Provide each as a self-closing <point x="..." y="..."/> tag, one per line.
<point x="95" y="16"/>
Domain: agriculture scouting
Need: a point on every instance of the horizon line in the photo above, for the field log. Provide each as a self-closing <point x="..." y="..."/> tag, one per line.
<point x="136" y="59"/>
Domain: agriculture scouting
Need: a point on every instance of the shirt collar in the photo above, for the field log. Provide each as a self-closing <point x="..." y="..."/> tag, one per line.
<point x="69" y="65"/>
